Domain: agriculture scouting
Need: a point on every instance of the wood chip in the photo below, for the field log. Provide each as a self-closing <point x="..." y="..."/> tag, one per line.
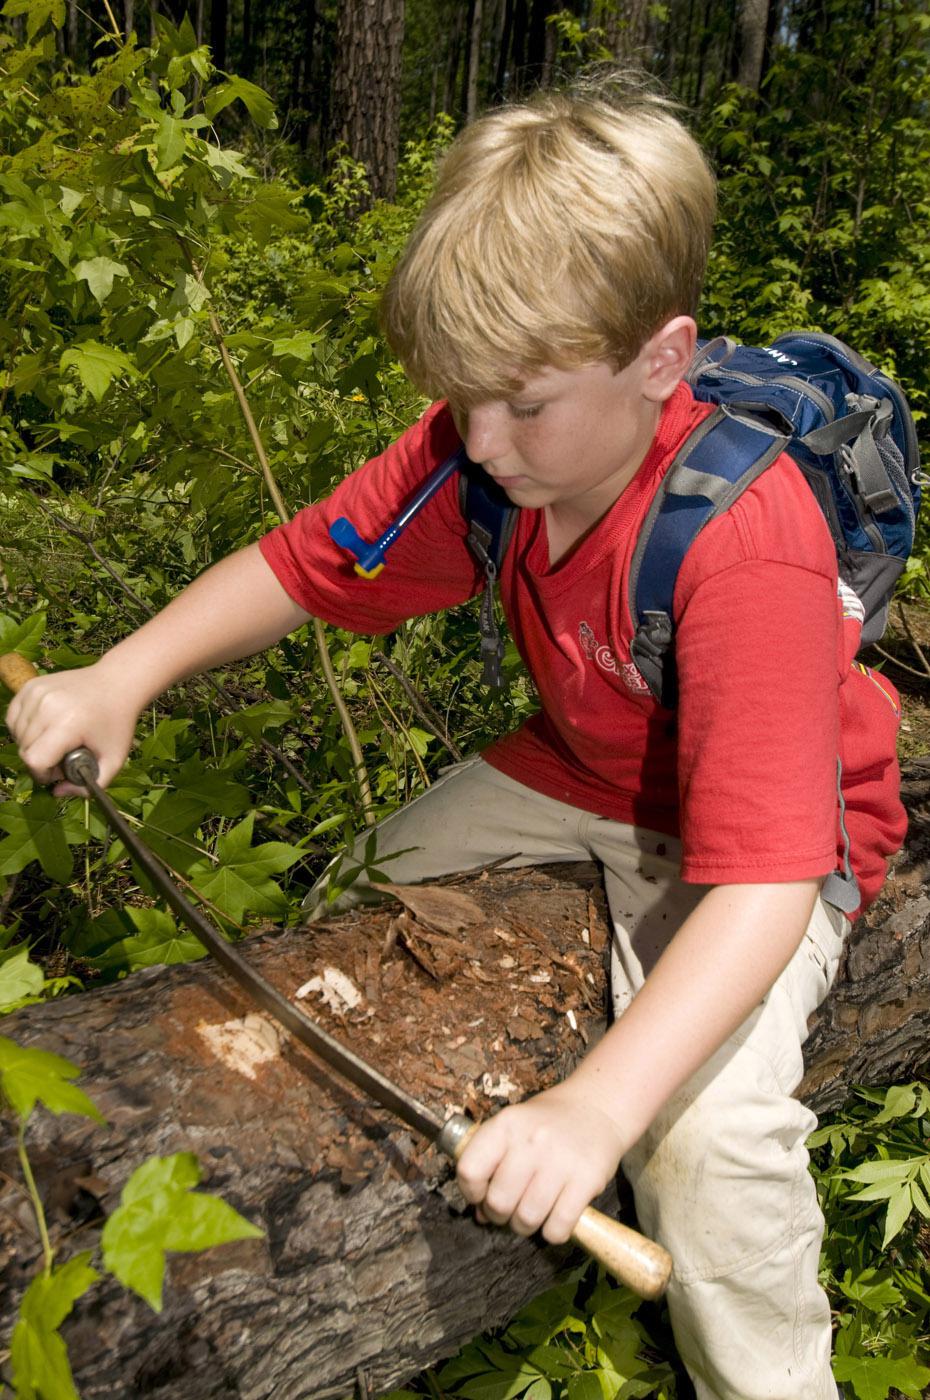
<point x="445" y="910"/>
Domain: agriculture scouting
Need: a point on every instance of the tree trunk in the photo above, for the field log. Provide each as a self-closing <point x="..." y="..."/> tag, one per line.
<point x="625" y="28"/>
<point x="219" y="22"/>
<point x="474" y="61"/>
<point x="366" y="87"/>
<point x="753" y="25"/>
<point x="369" y="1263"/>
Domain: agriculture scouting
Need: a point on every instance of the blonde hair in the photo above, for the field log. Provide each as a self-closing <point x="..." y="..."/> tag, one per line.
<point x="561" y="232"/>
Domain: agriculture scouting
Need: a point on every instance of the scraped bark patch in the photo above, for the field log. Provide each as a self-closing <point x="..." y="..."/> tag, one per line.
<point x="243" y="1044"/>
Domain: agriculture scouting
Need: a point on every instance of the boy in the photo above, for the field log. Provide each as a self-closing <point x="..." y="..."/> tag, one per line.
<point x="546" y="301"/>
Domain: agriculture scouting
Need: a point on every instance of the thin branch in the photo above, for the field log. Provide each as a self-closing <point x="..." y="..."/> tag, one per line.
<point x="361" y="772"/>
<point x="379" y="693"/>
<point x="895" y="661"/>
<point x="912" y="639"/>
<point x="423" y="709"/>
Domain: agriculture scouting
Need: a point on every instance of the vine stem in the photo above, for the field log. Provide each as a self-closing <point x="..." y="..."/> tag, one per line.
<point x="34" y="1196"/>
<point x="329" y="674"/>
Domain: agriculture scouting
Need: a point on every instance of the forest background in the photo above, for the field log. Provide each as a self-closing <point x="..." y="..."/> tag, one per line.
<point x="200" y="209"/>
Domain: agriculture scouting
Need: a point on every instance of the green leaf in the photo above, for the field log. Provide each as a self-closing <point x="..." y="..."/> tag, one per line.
<point x="259" y="105"/>
<point x="255" y="720"/>
<point x="158" y="942"/>
<point x="586" y="1386"/>
<point x="38" y="12"/>
<point x="37" y="830"/>
<point x="29" y="1076"/>
<point x="24" y="636"/>
<point x="99" y="273"/>
<point x="21" y="981"/>
<point x="875" y="1291"/>
<point x="872" y="1377"/>
<point x="97" y="365"/>
<point x="301" y="346"/>
<point x="242" y="879"/>
<point x="900" y="1101"/>
<point x="157" y="1213"/>
<point x="170" y="142"/>
<point x="899" y="1208"/>
<point x="41" y="1370"/>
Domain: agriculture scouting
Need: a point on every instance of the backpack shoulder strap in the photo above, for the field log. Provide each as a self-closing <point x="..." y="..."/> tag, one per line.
<point x="491" y="519"/>
<point x="713" y="467"/>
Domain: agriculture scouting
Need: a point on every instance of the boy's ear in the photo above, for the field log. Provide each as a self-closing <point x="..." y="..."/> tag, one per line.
<point x="666" y="356"/>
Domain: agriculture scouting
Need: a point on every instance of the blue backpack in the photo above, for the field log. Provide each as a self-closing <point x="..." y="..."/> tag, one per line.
<point x="848" y="427"/>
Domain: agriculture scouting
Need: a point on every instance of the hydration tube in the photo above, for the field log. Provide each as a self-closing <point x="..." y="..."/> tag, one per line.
<point x="370" y="556"/>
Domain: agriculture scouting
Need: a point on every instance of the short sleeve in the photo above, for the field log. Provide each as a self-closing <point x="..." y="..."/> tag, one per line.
<point x="428" y="567"/>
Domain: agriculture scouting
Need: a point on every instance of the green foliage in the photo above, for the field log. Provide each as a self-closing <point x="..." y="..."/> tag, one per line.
<point x="873" y="1172"/>
<point x="41" y="1370"/>
<point x="578" y="1341"/>
<point x="29" y="1076"/>
<point x="158" y="1212"/>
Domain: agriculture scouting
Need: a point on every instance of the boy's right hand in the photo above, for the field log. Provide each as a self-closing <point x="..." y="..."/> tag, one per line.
<point x="54" y="714"/>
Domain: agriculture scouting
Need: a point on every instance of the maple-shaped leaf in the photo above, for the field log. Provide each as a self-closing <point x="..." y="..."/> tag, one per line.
<point x="37" y="830"/>
<point x="28" y="1076"/>
<point x="37" y="1352"/>
<point x="241" y="877"/>
<point x="145" y="938"/>
<point x="872" y="1377"/>
<point x="97" y="365"/>
<point x="158" y="1211"/>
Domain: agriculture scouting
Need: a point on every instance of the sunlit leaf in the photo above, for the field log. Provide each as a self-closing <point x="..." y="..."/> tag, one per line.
<point x="157" y="1212"/>
<point x="29" y="1076"/>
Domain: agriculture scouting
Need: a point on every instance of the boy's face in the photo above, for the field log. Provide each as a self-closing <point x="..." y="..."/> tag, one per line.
<point x="570" y="440"/>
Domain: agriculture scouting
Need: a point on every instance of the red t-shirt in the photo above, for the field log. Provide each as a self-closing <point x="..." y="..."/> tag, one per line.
<point x="744" y="770"/>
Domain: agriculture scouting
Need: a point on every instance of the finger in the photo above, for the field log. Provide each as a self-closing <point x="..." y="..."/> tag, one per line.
<point x="480" y="1159"/>
<point x="565" y="1213"/>
<point x="535" y="1205"/>
<point x="508" y="1186"/>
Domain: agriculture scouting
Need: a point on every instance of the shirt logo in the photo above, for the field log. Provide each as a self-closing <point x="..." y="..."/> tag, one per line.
<point x="603" y="657"/>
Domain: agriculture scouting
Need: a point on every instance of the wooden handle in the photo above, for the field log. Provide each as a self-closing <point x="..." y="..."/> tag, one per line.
<point x="15" y="671"/>
<point x="628" y="1256"/>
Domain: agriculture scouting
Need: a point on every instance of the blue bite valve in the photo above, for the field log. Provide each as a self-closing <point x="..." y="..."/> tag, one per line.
<point x="369" y="558"/>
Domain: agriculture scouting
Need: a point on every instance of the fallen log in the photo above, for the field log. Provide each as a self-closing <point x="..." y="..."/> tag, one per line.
<point x="470" y="995"/>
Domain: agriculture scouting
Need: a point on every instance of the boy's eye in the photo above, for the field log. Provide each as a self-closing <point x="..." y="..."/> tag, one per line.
<point x="525" y="410"/>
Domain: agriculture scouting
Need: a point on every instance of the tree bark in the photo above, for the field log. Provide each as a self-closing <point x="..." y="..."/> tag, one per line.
<point x="625" y="29"/>
<point x="366" y="87"/>
<point x="219" y="21"/>
<point x="753" y="25"/>
<point x="369" y="1261"/>
<point x="474" y="61"/>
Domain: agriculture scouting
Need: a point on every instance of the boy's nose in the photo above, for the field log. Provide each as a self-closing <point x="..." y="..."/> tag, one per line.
<point x="487" y="436"/>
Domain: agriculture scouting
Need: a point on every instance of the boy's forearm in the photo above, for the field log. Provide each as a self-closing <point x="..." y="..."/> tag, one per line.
<point x="234" y="609"/>
<point x="716" y="970"/>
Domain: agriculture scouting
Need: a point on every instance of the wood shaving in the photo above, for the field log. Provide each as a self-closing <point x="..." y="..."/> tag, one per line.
<point x="243" y="1044"/>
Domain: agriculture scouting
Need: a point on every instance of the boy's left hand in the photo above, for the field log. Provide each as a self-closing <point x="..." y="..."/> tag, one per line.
<point x="538" y="1164"/>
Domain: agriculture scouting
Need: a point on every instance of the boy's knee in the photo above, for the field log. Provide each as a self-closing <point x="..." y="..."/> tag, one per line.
<point x="722" y="1179"/>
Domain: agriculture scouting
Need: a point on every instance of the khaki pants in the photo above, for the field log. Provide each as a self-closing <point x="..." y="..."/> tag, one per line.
<point x="720" y="1178"/>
